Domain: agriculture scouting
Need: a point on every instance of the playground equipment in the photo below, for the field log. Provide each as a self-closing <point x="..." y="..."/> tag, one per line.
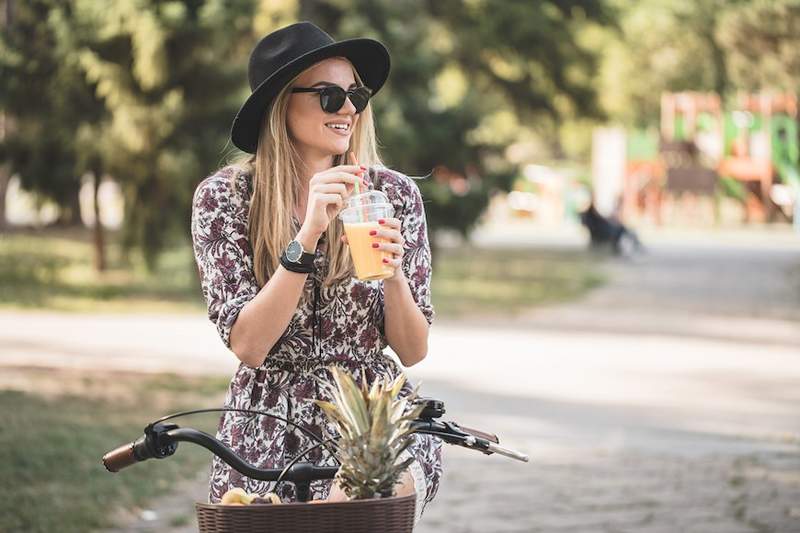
<point x="751" y="149"/>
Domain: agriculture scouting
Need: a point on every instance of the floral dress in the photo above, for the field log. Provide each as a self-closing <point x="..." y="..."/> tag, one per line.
<point x="338" y="325"/>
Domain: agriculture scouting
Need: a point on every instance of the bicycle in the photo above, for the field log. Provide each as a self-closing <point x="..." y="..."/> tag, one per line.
<point x="160" y="440"/>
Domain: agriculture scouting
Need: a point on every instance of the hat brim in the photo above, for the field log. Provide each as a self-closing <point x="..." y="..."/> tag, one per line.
<point x="369" y="57"/>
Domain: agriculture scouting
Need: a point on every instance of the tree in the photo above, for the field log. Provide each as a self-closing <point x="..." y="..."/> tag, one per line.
<point x="467" y="78"/>
<point x="661" y="45"/>
<point x="162" y="73"/>
<point x="46" y="101"/>
<point x="761" y="40"/>
<point x="158" y="83"/>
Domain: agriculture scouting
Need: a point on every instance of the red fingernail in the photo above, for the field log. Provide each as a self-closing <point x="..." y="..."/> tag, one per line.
<point x="373" y="232"/>
<point x="385" y="260"/>
<point x="375" y="244"/>
<point x="362" y="166"/>
<point x="381" y="221"/>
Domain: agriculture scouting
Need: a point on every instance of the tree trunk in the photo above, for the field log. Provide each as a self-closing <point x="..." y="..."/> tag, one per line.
<point x="6" y="127"/>
<point x="5" y="177"/>
<point x="99" y="238"/>
<point x="70" y="212"/>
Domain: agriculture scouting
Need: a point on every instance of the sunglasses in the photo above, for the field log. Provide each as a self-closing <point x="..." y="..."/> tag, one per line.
<point x="332" y="97"/>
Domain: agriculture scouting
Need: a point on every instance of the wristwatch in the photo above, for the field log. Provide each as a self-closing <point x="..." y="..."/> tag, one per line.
<point x="296" y="259"/>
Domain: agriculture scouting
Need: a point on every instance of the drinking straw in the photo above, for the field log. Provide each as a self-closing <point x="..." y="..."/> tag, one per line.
<point x="361" y="214"/>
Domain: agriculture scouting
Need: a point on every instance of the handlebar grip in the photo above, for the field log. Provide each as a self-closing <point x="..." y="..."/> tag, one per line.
<point x="480" y="434"/>
<point x="509" y="453"/>
<point x="117" y="459"/>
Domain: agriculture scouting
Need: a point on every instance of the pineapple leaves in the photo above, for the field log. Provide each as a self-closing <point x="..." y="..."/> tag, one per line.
<point x="373" y="425"/>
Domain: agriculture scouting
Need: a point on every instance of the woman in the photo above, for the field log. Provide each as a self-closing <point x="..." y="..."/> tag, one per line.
<point x="287" y="318"/>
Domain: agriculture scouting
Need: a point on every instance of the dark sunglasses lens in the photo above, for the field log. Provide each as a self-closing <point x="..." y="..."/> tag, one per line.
<point x="332" y="99"/>
<point x="359" y="97"/>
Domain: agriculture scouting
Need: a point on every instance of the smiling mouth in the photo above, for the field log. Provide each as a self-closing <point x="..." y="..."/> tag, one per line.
<point x="341" y="132"/>
<point x="339" y="128"/>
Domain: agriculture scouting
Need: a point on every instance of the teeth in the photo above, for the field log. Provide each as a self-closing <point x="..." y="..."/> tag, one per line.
<point x="338" y="126"/>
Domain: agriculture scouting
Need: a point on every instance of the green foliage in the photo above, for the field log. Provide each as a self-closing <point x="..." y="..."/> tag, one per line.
<point x="146" y="92"/>
<point x="661" y="45"/>
<point x="761" y="39"/>
<point x="158" y="71"/>
<point x="141" y="91"/>
<point x="722" y="46"/>
<point x="468" y="79"/>
<point x="50" y="100"/>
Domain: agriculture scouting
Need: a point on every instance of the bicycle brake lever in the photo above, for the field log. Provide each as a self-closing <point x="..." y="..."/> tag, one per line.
<point x="478" y="433"/>
<point x="452" y="433"/>
<point x="488" y="447"/>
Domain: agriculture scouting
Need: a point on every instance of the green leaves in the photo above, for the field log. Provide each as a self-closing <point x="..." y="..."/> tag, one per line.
<point x="160" y="81"/>
<point x="468" y="80"/>
<point x="760" y="40"/>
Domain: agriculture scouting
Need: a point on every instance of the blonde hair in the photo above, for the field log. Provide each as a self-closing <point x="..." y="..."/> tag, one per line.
<point x="276" y="185"/>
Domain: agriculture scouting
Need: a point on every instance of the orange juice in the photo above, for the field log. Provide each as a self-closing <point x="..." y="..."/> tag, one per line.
<point x="359" y="218"/>
<point x="368" y="261"/>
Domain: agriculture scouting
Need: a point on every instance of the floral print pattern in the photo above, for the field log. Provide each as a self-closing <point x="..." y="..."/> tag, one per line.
<point x="350" y="334"/>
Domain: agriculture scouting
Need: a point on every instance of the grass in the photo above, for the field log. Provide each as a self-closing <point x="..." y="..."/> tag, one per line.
<point x="56" y="426"/>
<point x="54" y="271"/>
<point x="472" y="281"/>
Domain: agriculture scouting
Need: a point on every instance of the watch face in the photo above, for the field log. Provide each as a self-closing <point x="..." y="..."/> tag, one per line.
<point x="294" y="252"/>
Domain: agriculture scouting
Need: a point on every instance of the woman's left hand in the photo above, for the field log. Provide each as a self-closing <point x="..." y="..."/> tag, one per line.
<point x="336" y="493"/>
<point x="390" y="230"/>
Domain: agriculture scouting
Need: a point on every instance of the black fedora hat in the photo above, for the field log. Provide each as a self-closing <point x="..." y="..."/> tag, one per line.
<point x="285" y="53"/>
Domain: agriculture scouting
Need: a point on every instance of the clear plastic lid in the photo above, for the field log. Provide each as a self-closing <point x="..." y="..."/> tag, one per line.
<point x="366" y="207"/>
<point x="367" y="198"/>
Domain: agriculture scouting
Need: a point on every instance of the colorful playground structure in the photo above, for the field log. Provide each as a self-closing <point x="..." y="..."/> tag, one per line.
<point x="749" y="150"/>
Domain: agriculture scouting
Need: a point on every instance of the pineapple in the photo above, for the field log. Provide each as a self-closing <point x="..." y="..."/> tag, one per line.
<point x="374" y="430"/>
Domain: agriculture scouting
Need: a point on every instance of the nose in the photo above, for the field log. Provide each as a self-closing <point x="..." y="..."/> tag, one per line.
<point x="348" y="108"/>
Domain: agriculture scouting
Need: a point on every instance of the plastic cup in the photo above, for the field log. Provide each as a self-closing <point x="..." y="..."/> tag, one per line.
<point x="359" y="217"/>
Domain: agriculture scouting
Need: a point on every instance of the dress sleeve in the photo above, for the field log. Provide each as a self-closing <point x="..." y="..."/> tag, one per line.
<point x="222" y="251"/>
<point x="404" y="194"/>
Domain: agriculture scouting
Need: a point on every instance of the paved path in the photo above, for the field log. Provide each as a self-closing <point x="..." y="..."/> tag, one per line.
<point x="666" y="401"/>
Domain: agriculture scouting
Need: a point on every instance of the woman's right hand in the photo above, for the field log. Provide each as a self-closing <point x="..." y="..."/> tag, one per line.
<point x="328" y="192"/>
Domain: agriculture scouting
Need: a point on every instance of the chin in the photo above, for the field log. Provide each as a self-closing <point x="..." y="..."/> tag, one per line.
<point x="339" y="148"/>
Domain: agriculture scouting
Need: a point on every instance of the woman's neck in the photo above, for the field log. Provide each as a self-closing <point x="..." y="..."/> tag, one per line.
<point x="312" y="165"/>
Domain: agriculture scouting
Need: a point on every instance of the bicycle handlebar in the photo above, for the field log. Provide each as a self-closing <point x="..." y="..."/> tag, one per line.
<point x="161" y="440"/>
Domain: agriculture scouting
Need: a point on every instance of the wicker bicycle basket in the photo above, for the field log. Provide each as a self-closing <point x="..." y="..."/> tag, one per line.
<point x="388" y="515"/>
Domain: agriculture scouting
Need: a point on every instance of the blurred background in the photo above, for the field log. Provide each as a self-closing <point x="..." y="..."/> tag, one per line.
<point x="613" y="200"/>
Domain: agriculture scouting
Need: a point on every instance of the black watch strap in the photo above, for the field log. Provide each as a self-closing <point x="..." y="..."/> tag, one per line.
<point x="303" y="267"/>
